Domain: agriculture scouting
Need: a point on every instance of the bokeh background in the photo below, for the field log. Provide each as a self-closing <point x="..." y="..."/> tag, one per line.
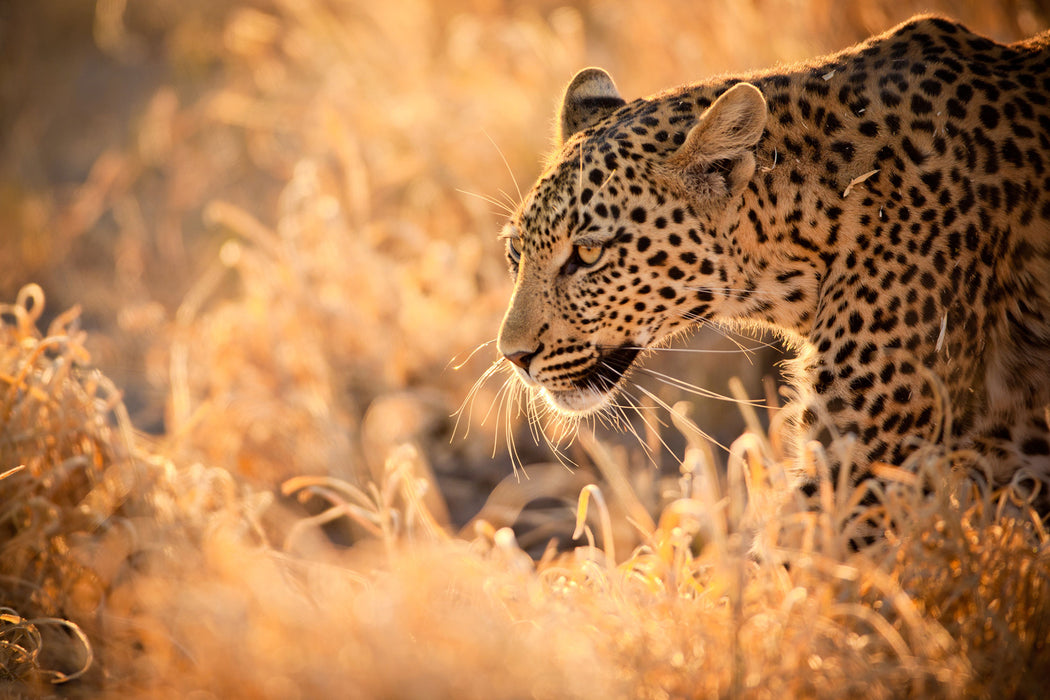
<point x="277" y="220"/>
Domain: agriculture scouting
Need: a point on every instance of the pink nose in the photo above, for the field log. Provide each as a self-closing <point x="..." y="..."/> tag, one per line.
<point x="521" y="359"/>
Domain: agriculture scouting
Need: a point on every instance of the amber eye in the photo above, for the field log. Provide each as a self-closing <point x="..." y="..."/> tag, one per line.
<point x="514" y="249"/>
<point x="582" y="256"/>
<point x="589" y="254"/>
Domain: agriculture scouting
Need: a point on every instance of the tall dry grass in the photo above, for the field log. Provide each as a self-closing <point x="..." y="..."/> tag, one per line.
<point x="269" y="223"/>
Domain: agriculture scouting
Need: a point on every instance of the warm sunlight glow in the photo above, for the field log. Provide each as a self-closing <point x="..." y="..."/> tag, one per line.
<point x="256" y="440"/>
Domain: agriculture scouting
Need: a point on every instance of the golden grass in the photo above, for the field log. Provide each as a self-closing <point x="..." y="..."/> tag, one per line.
<point x="169" y="578"/>
<point x="277" y="266"/>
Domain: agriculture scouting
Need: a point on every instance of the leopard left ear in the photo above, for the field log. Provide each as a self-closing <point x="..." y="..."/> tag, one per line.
<point x="717" y="157"/>
<point x="590" y="97"/>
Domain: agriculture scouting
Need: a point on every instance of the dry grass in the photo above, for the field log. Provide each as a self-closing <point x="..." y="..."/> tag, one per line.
<point x="256" y="210"/>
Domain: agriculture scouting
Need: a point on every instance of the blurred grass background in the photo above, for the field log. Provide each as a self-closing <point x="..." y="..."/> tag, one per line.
<point x="271" y="215"/>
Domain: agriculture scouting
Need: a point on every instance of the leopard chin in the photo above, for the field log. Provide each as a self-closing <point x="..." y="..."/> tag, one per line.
<point x="576" y="402"/>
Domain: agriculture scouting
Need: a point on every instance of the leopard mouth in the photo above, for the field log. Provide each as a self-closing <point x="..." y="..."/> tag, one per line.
<point x="609" y="369"/>
<point x="592" y="390"/>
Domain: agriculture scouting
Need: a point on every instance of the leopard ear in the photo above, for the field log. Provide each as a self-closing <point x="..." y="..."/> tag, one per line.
<point x="717" y="157"/>
<point x="589" y="98"/>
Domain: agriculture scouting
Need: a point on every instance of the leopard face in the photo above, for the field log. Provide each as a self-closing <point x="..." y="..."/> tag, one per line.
<point x="619" y="245"/>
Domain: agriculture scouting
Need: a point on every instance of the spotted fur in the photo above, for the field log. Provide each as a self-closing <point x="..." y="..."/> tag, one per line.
<point x="885" y="209"/>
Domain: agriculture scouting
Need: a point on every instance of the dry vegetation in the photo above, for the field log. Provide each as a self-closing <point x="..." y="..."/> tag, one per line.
<point x="229" y="469"/>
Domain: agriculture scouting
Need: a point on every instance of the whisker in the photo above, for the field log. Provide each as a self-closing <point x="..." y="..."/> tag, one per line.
<point x="603" y="418"/>
<point x="698" y="351"/>
<point x="548" y="418"/>
<point x="605" y="181"/>
<point x="537" y="412"/>
<point x="508" y="199"/>
<point x="628" y="426"/>
<point x="533" y="417"/>
<point x="635" y="405"/>
<point x="632" y="403"/>
<point x="728" y="334"/>
<point x="727" y="331"/>
<point x="506" y="163"/>
<point x="570" y="428"/>
<point x="610" y="417"/>
<point x="498" y="404"/>
<point x="472" y="354"/>
<point x="671" y="410"/>
<point x="698" y="390"/>
<point x="512" y="446"/>
<point x="470" y="398"/>
<point x="618" y="412"/>
<point x="503" y="207"/>
<point x="508" y="382"/>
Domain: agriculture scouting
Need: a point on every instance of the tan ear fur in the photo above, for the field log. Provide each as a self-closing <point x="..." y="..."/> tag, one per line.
<point x="727" y="131"/>
<point x="590" y="97"/>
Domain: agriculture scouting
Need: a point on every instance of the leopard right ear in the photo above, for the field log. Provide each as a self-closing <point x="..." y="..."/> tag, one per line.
<point x="717" y="158"/>
<point x="589" y="98"/>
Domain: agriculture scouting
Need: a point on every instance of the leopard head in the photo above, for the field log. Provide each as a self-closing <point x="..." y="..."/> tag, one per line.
<point x="625" y="238"/>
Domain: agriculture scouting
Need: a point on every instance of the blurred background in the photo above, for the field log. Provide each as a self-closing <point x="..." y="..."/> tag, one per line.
<point x="279" y="217"/>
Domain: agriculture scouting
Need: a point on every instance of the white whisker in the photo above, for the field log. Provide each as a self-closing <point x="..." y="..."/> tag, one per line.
<point x="467" y="358"/>
<point x="504" y="209"/>
<point x="570" y="427"/>
<point x="468" y="401"/>
<point x="663" y="404"/>
<point x="508" y="198"/>
<point x="698" y="351"/>
<point x="728" y="334"/>
<point x="627" y="426"/>
<point x="698" y="390"/>
<point x="501" y="401"/>
<point x="636" y="406"/>
<point x="510" y="171"/>
<point x="512" y="447"/>
<point x="533" y="417"/>
<point x="508" y="383"/>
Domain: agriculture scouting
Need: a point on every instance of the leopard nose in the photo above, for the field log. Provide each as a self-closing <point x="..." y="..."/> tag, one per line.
<point x="522" y="358"/>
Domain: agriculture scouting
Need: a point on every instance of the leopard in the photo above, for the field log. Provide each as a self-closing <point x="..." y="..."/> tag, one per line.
<point x="884" y="210"/>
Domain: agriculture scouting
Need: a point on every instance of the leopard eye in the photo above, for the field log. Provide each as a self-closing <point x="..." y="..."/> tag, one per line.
<point x="589" y="254"/>
<point x="514" y="249"/>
